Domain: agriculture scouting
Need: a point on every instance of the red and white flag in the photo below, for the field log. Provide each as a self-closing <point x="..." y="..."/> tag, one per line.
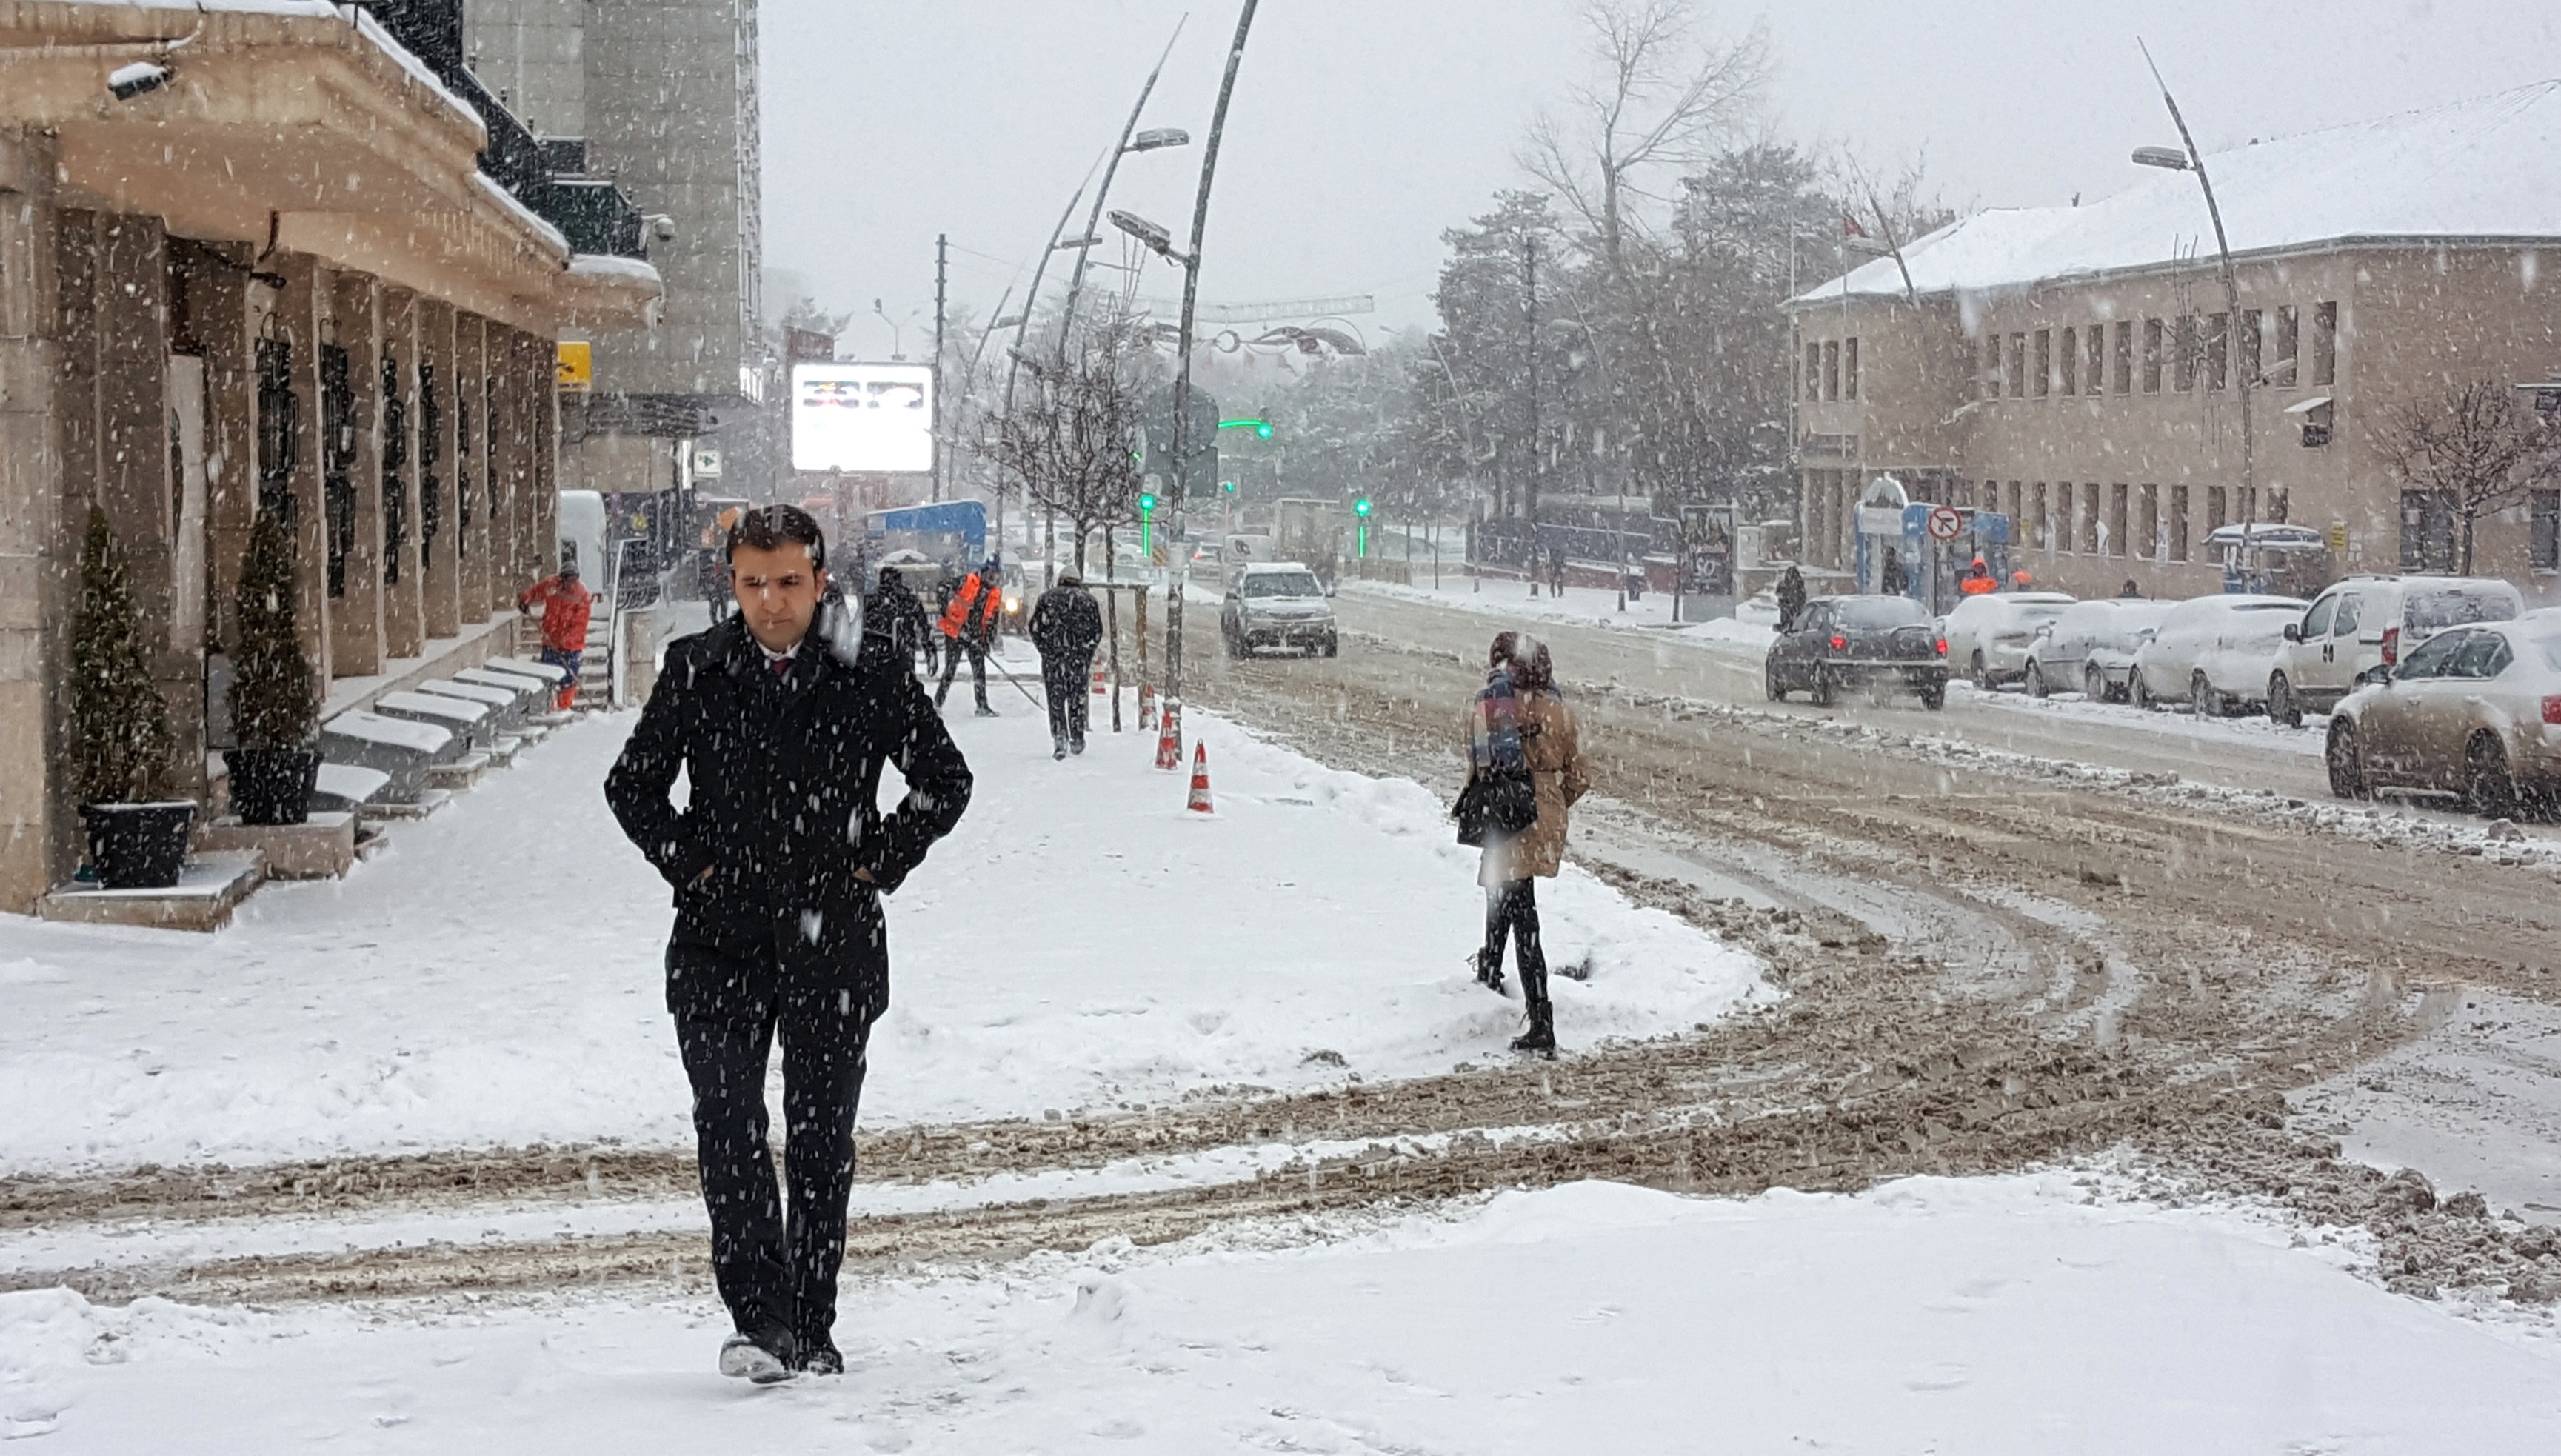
<point x="1850" y="227"/>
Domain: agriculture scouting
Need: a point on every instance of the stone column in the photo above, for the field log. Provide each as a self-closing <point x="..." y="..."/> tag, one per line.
<point x="436" y="514"/>
<point x="471" y="463"/>
<point x="302" y="308"/>
<point x="228" y="307"/>
<point x="129" y="316"/>
<point x="34" y="601"/>
<point x="356" y="613"/>
<point x="542" y="376"/>
<point x="403" y="605"/>
<point x="511" y="461"/>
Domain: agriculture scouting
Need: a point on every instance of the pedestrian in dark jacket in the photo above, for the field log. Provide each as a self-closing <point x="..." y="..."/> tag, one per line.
<point x="895" y="613"/>
<point x="1792" y="597"/>
<point x="780" y="719"/>
<point x="1067" y="626"/>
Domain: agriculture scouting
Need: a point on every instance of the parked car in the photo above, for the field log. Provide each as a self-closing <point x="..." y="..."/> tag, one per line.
<point x="1852" y="641"/>
<point x="1990" y="634"/>
<point x="2366" y="622"/>
<point x="2473" y="711"/>
<point x="2092" y="647"/>
<point x="2214" y="652"/>
<point x="1276" y="604"/>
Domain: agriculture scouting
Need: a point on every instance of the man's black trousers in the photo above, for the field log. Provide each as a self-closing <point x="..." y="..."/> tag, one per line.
<point x="951" y="651"/>
<point x="1065" y="678"/>
<point x="776" y="1269"/>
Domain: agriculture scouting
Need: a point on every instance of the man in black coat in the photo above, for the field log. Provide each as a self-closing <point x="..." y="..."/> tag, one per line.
<point x="1066" y="627"/>
<point x="780" y="719"/>
<point x="896" y="613"/>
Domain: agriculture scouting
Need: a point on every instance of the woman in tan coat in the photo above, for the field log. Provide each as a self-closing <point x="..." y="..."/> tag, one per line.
<point x="1551" y="742"/>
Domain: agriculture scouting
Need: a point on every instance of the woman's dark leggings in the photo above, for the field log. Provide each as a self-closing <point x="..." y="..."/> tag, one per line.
<point x="1511" y="910"/>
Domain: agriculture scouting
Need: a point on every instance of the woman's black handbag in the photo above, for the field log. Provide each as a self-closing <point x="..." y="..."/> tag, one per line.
<point x="1502" y="801"/>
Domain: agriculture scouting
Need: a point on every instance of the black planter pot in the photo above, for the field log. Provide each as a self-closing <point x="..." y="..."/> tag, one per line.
<point x="138" y="846"/>
<point x="272" y="785"/>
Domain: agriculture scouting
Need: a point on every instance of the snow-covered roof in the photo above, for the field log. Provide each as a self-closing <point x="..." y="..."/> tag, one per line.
<point x="2485" y="168"/>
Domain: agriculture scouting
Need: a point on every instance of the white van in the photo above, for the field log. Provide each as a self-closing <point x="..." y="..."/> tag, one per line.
<point x="2366" y="622"/>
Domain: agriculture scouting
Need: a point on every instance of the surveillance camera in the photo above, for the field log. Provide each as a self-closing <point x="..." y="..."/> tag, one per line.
<point x="662" y="227"/>
<point x="132" y="81"/>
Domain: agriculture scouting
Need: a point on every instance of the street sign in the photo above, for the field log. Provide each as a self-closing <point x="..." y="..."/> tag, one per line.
<point x="1945" y="524"/>
<point x="575" y="370"/>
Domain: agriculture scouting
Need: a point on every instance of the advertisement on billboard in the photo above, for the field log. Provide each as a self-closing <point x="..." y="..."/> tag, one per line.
<point x="862" y="419"/>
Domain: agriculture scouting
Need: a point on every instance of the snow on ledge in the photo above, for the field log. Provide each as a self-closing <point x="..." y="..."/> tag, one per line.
<point x="604" y="267"/>
<point x="488" y="185"/>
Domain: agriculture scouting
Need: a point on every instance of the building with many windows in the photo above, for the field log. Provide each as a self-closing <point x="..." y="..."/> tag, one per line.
<point x="2080" y="371"/>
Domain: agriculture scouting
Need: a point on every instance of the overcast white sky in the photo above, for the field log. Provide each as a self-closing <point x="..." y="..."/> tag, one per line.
<point x="1361" y="128"/>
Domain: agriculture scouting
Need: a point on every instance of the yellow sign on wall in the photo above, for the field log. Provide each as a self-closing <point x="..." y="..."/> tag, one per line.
<point x="576" y="371"/>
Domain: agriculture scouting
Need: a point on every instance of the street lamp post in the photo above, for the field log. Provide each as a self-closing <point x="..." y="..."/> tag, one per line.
<point x="2175" y="159"/>
<point x="1183" y="368"/>
<point x="1132" y="140"/>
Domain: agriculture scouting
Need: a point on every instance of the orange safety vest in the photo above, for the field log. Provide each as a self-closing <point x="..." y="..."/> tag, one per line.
<point x="1978" y="585"/>
<point x="955" y="617"/>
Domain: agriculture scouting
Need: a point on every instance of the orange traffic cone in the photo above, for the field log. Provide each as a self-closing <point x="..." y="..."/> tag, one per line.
<point x="1099" y="687"/>
<point x="1199" y="803"/>
<point x="1169" y="738"/>
<point x="1146" y="705"/>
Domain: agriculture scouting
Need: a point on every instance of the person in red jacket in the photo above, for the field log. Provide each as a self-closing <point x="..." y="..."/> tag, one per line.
<point x="566" y="605"/>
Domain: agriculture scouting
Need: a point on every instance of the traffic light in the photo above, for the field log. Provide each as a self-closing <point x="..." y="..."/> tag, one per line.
<point x="1360" y="512"/>
<point x="1361" y="507"/>
<point x="1147" y="525"/>
<point x="1262" y="428"/>
<point x="1146" y="503"/>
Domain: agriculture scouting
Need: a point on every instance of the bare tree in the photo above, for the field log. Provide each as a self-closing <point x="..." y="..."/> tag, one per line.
<point x="1070" y="437"/>
<point x="1662" y="97"/>
<point x="2473" y="452"/>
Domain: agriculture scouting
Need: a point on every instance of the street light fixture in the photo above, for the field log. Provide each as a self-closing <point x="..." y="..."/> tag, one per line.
<point x="1153" y="235"/>
<point x="1155" y="137"/>
<point x="2167" y="158"/>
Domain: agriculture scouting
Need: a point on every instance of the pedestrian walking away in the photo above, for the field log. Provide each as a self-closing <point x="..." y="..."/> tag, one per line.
<point x="565" y="606"/>
<point x="1066" y="627"/>
<point x="1519" y="722"/>
<point x="897" y="613"/>
<point x="969" y="626"/>
<point x="1792" y="597"/>
<point x="780" y="719"/>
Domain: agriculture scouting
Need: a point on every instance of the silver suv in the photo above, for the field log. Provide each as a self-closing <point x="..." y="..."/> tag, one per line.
<point x="1276" y="604"/>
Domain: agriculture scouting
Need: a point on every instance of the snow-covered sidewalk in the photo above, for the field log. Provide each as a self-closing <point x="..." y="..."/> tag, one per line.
<point x="1997" y="1315"/>
<point x="495" y="977"/>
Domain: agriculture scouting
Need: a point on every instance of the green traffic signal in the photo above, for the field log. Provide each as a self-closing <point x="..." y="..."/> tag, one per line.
<point x="1146" y="503"/>
<point x="1262" y="428"/>
<point x="1361" y="507"/>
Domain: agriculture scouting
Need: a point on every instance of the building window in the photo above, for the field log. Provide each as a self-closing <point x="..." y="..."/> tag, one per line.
<point x="2253" y="350"/>
<point x="2043" y="377"/>
<point x="2426" y="532"/>
<point x="2092" y="539"/>
<point x="1849" y="370"/>
<point x="2278" y="505"/>
<point x="2125" y="357"/>
<point x="2119" y="540"/>
<point x="2094" y="378"/>
<point x="2325" y="344"/>
<point x="2016" y="496"/>
<point x="2038" y="521"/>
<point x="1991" y="496"/>
<point x="2249" y="500"/>
<point x="2214" y="509"/>
<point x="2182" y="353"/>
<point x="2017" y="372"/>
<point x="2148" y="526"/>
<point x="2070" y="360"/>
<point x="1831" y="368"/>
<point x="2218" y="350"/>
<point x="2178" y="523"/>
<point x="1813" y="371"/>
<point x="2280" y="370"/>
<point x="2545" y="546"/>
<point x="2151" y="356"/>
<point x="1991" y="367"/>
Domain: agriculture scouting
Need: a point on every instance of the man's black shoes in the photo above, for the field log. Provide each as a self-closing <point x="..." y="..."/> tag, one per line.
<point x="765" y="1357"/>
<point x="818" y="1356"/>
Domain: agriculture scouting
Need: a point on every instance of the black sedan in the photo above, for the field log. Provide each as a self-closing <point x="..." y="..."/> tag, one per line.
<point x="1838" y="642"/>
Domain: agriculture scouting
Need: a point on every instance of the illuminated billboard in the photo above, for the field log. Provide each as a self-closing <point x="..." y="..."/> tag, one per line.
<point x="862" y="419"/>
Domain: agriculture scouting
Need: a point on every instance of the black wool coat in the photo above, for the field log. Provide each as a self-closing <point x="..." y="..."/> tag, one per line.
<point x="784" y="775"/>
<point x="1067" y="624"/>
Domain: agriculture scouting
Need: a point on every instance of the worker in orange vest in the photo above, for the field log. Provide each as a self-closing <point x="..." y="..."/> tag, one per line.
<point x="1978" y="580"/>
<point x="566" y="605"/>
<point x="970" y="625"/>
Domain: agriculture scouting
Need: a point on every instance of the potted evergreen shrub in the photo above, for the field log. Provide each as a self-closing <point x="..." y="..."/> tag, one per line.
<point x="273" y="769"/>
<point x="120" y="738"/>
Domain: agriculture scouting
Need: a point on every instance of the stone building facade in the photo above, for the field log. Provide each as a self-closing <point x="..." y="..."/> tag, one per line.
<point x="2079" y="370"/>
<point x="276" y="281"/>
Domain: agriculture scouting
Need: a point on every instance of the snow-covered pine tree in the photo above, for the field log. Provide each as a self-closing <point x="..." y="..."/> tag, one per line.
<point x="120" y="737"/>
<point x="272" y="705"/>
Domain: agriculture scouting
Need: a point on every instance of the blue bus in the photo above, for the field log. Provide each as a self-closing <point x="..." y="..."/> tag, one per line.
<point x="951" y="533"/>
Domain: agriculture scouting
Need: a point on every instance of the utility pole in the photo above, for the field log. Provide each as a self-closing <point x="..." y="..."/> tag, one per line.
<point x="941" y="275"/>
<point x="1529" y="487"/>
<point x="1183" y="372"/>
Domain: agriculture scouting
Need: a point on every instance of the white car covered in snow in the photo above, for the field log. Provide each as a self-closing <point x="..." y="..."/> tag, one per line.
<point x="2214" y="653"/>
<point x="2092" y="647"/>
<point x="1989" y="636"/>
